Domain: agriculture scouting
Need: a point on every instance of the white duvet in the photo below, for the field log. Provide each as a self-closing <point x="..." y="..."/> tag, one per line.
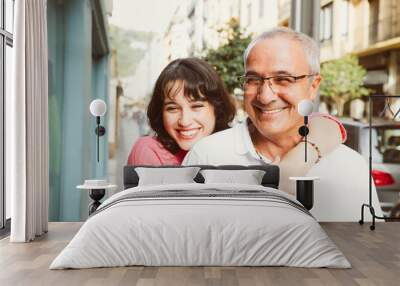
<point x="183" y="231"/>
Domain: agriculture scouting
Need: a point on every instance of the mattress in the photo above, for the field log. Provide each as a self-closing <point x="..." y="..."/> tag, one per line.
<point x="201" y="225"/>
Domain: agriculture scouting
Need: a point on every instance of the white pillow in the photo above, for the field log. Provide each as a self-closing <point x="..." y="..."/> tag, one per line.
<point x="163" y="176"/>
<point x="248" y="177"/>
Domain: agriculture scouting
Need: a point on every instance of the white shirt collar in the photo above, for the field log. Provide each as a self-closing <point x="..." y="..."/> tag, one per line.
<point x="244" y="145"/>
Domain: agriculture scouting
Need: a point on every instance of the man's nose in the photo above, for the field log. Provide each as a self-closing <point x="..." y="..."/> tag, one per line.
<point x="266" y="93"/>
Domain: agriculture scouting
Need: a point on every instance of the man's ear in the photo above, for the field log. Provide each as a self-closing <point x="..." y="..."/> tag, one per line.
<point x="315" y="86"/>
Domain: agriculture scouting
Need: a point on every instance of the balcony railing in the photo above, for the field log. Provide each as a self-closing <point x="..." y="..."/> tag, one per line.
<point x="384" y="29"/>
<point x="378" y="31"/>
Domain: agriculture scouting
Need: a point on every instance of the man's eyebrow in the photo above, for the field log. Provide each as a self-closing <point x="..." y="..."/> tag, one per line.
<point x="252" y="73"/>
<point x="281" y="72"/>
<point x="274" y="73"/>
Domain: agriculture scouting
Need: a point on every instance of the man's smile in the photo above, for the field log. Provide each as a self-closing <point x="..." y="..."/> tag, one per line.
<point x="269" y="110"/>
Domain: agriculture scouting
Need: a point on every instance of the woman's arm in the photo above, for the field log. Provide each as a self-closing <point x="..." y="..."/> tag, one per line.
<point x="326" y="134"/>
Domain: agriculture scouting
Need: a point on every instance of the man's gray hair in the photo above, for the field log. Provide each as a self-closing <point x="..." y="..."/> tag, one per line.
<point x="309" y="45"/>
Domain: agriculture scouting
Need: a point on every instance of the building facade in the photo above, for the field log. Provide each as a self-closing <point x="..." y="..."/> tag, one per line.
<point x="370" y="30"/>
<point x="195" y="25"/>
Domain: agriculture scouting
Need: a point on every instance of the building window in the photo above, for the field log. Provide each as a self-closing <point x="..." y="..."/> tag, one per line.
<point x="6" y="43"/>
<point x="326" y="22"/>
<point x="261" y="8"/>
<point x="373" y="21"/>
<point x="345" y="22"/>
<point x="249" y="14"/>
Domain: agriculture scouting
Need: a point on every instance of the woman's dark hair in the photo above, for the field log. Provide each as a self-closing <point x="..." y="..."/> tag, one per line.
<point x="200" y="82"/>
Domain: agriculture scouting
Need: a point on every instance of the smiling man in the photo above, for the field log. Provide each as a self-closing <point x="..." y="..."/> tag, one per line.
<point x="279" y="74"/>
<point x="281" y="69"/>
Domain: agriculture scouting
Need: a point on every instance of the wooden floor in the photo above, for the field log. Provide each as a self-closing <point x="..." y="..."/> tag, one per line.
<point x="374" y="255"/>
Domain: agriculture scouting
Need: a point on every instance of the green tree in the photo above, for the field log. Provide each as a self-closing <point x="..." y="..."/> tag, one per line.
<point x="342" y="81"/>
<point x="228" y="58"/>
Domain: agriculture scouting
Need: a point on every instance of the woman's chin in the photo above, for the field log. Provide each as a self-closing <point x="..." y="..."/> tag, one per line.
<point x="187" y="144"/>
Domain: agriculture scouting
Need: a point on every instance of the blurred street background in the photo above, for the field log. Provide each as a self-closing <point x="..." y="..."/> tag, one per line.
<point x="115" y="50"/>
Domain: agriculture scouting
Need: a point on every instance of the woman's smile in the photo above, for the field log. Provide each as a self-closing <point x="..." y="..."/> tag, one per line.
<point x="188" y="133"/>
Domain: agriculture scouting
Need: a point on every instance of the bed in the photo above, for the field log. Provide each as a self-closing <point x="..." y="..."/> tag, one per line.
<point x="201" y="223"/>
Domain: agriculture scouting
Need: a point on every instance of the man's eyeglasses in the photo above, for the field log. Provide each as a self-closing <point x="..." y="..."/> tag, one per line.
<point x="280" y="83"/>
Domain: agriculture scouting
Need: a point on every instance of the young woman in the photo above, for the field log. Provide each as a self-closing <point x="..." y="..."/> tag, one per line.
<point x="189" y="102"/>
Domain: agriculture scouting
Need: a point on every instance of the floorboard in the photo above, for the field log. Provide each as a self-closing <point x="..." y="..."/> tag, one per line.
<point x="374" y="255"/>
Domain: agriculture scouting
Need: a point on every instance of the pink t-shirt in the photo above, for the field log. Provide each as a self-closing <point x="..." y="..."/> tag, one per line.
<point x="149" y="151"/>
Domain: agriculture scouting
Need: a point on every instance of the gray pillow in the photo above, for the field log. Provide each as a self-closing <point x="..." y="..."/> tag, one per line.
<point x="162" y="176"/>
<point x="248" y="177"/>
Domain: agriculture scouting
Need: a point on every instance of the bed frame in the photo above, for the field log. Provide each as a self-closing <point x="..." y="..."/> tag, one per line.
<point x="270" y="179"/>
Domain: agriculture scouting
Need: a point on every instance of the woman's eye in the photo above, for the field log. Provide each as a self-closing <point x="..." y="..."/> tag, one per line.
<point x="197" y="106"/>
<point x="171" y="109"/>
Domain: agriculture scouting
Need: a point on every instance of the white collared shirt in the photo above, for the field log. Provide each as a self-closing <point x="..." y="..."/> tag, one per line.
<point x="232" y="146"/>
<point x="343" y="173"/>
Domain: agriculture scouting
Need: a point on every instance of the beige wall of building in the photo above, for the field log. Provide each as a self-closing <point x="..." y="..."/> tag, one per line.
<point x="257" y="16"/>
<point x="369" y="29"/>
<point x="216" y="14"/>
<point x="198" y="22"/>
<point x="176" y="38"/>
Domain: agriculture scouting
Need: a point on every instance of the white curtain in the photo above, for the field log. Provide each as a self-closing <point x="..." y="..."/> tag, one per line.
<point x="27" y="123"/>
